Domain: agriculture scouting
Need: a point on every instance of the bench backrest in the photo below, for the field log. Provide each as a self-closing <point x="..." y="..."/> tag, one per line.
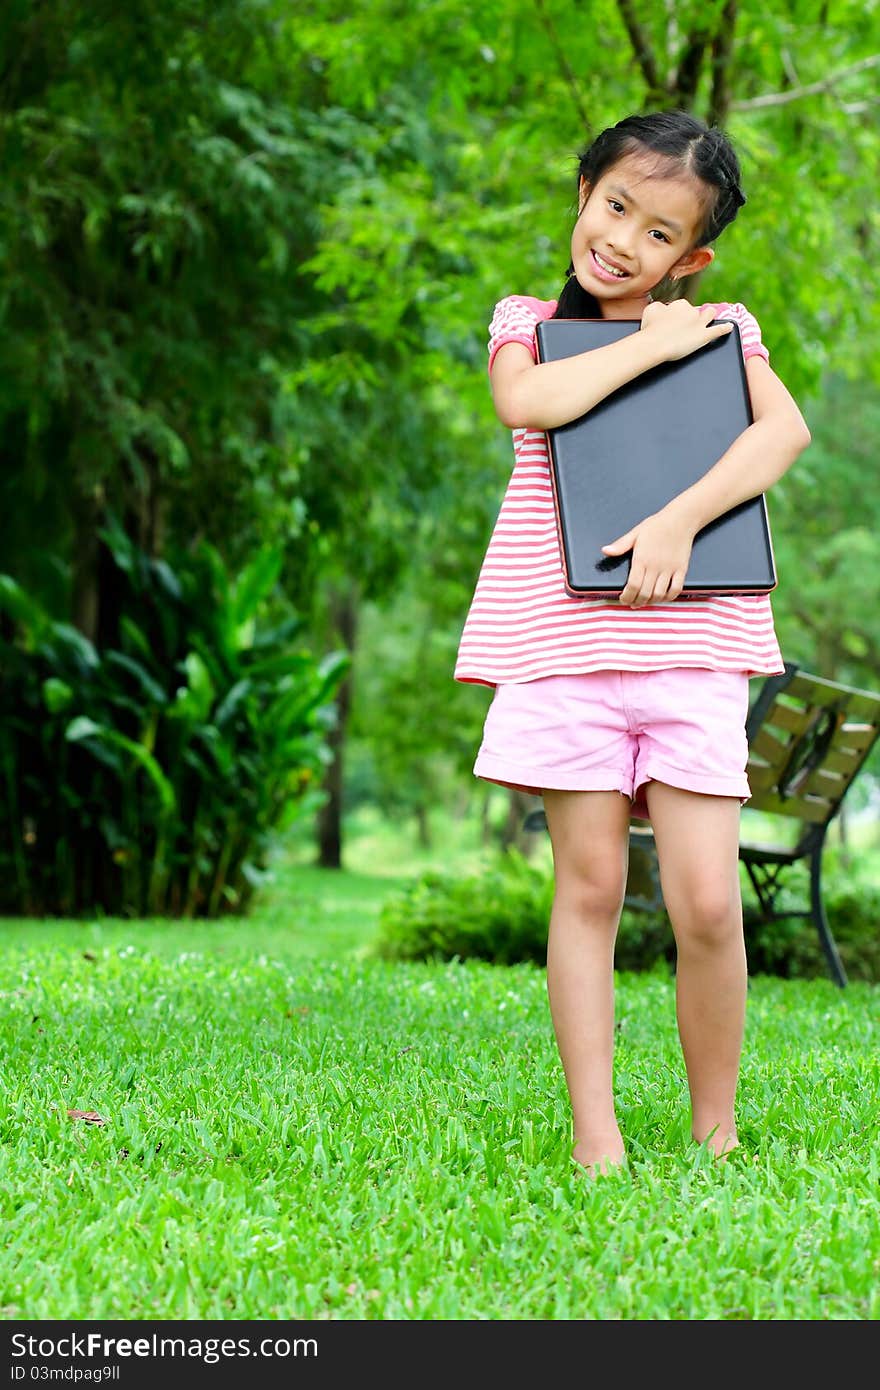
<point x="808" y="737"/>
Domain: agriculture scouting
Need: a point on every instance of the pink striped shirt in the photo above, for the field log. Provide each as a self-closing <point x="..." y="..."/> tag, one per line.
<point x="523" y="624"/>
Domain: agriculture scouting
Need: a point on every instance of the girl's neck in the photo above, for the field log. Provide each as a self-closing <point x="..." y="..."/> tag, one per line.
<point x="624" y="308"/>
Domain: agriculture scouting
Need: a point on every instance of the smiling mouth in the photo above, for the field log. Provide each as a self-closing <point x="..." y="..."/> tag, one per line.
<point x="609" y="268"/>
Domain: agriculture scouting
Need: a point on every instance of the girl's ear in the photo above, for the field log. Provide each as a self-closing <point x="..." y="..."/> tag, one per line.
<point x="692" y="261"/>
<point x="583" y="194"/>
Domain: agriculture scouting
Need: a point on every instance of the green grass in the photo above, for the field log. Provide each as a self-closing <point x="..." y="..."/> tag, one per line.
<point x="294" y="1130"/>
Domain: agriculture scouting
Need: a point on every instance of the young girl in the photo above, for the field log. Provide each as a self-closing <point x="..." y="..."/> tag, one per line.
<point x="637" y="706"/>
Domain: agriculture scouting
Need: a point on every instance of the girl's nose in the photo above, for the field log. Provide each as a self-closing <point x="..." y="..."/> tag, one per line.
<point x="620" y="246"/>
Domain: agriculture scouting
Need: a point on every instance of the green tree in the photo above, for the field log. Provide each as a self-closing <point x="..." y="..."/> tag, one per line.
<point x="824" y="515"/>
<point x="155" y="208"/>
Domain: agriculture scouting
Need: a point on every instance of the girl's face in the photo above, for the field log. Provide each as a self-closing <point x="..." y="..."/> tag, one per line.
<point x="634" y="228"/>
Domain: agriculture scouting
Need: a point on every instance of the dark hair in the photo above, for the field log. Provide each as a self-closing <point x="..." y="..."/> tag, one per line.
<point x="681" y="142"/>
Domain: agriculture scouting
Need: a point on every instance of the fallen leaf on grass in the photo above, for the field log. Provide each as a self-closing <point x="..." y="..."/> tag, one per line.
<point x="91" y="1117"/>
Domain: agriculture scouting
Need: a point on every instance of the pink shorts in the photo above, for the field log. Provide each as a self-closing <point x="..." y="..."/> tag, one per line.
<point x="617" y="730"/>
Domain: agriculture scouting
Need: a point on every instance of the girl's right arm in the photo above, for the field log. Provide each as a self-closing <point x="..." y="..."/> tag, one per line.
<point x="542" y="395"/>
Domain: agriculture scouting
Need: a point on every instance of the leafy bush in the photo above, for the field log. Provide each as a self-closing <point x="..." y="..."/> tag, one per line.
<point x="151" y="777"/>
<point x="791" y="948"/>
<point x="499" y="915"/>
<point x="503" y="913"/>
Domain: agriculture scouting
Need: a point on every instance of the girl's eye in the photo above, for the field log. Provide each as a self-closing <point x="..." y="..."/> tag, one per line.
<point x="615" y="206"/>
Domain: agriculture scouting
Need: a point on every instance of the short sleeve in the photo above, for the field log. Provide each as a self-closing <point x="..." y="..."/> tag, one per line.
<point x="749" y="332"/>
<point x="513" y="321"/>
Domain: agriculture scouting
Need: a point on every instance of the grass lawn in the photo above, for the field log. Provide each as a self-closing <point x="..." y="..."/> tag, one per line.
<point x="294" y="1130"/>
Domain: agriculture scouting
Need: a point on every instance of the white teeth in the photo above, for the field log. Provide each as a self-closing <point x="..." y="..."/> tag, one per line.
<point x="612" y="270"/>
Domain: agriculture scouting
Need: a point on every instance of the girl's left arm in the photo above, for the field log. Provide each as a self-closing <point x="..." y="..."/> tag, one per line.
<point x="661" y="544"/>
<point x="756" y="459"/>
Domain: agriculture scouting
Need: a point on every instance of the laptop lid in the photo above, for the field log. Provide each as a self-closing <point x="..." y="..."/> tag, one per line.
<point x="640" y="447"/>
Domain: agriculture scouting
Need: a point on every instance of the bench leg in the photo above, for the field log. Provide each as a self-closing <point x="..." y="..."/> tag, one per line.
<point x="820" y="918"/>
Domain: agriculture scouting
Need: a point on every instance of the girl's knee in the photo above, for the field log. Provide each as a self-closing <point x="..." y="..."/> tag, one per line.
<point x="594" y="895"/>
<point x="708" y="916"/>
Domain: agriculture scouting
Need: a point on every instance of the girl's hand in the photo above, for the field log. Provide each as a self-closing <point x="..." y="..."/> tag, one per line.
<point x="661" y="550"/>
<point x="680" y="329"/>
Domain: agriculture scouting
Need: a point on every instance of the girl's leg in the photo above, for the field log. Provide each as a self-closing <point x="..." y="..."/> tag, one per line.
<point x="697" y="840"/>
<point x="589" y="832"/>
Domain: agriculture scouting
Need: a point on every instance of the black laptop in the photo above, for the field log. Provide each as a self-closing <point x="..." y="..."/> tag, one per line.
<point x="640" y="447"/>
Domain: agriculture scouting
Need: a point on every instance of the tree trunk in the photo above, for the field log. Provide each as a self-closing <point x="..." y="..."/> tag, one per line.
<point x="423" y="826"/>
<point x="146" y="519"/>
<point x="722" y="56"/>
<point x="343" y="624"/>
<point x="486" y="813"/>
<point x="87" y="512"/>
<point x="512" y="835"/>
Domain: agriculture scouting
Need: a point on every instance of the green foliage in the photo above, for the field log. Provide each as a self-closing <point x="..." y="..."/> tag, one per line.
<point x="824" y="514"/>
<point x="485" y="110"/>
<point x="156" y="195"/>
<point x="791" y="949"/>
<point x="499" y="914"/>
<point x="414" y="732"/>
<point x="153" y="777"/>
<point x="502" y="914"/>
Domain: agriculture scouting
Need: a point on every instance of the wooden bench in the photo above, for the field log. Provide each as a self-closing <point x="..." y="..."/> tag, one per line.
<point x="808" y="739"/>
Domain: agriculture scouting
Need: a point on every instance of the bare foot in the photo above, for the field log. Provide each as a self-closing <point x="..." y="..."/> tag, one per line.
<point x="721" y="1145"/>
<point x="598" y="1159"/>
<point x="723" y="1154"/>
